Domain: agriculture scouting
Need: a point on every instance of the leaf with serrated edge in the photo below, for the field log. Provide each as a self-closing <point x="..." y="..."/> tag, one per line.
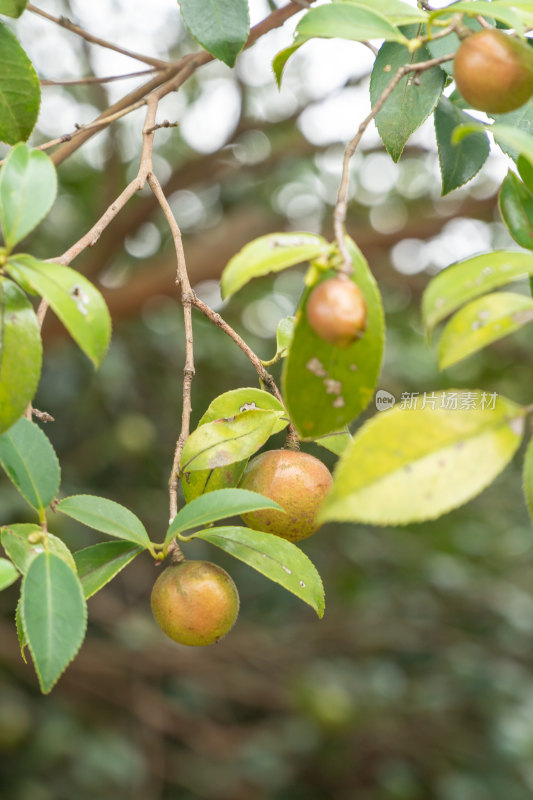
<point x="482" y="322"/>
<point x="460" y="162"/>
<point x="279" y="560"/>
<point x="220" y="26"/>
<point x="29" y="460"/>
<point x="468" y="279"/>
<point x="100" y="563"/>
<point x="8" y="573"/>
<point x="227" y="440"/>
<point x="78" y="304"/>
<point x="20" y="353"/>
<point x="270" y="253"/>
<point x="20" y="92"/>
<point x="54" y="616"/>
<point x="217" y="505"/>
<point x="28" y="187"/>
<point x="410" y="465"/>
<point x="515" y="202"/>
<point x="15" y="541"/>
<point x="106" y="516"/>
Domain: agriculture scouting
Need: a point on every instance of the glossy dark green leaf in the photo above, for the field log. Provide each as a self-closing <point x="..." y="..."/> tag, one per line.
<point x="516" y="208"/>
<point x="54" y="616"/>
<point x="468" y="279"/>
<point x="220" y="26"/>
<point x="18" y="541"/>
<point x="28" y="188"/>
<point x="8" y="573"/>
<point x="12" y="8"/>
<point x="215" y="506"/>
<point x="20" y="91"/>
<point x="459" y="162"/>
<point x="30" y="462"/>
<point x="20" y="353"/>
<point x="481" y="322"/>
<point x="325" y="387"/>
<point x="78" y="304"/>
<point x="98" y="564"/>
<point x="279" y="560"/>
<point x="413" y="464"/>
<point x="106" y="516"/>
<point x="225" y="441"/>
<point x="410" y="103"/>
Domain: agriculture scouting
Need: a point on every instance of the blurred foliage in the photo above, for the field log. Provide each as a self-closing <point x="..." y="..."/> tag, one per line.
<point x="417" y="684"/>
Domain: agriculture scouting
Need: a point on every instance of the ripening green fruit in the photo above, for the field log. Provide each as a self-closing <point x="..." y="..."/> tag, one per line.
<point x="336" y="311"/>
<point x="297" y="481"/>
<point x="494" y="71"/>
<point x="195" y="602"/>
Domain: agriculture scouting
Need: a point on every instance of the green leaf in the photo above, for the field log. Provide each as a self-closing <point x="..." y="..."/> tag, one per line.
<point x="394" y="10"/>
<point x="515" y="140"/>
<point x="20" y="91"/>
<point x="449" y="44"/>
<point x="525" y="169"/>
<point x="520" y="120"/>
<point x="12" y="8"/>
<point x="413" y="464"/>
<point x="16" y="542"/>
<point x="528" y="478"/>
<point x="217" y="505"/>
<point x="270" y="253"/>
<point x="98" y="564"/>
<point x="492" y="10"/>
<point x="106" y="516"/>
<point x="54" y="616"/>
<point x="277" y="559"/>
<point x="284" y="334"/>
<point x="279" y="61"/>
<point x="410" y="103"/>
<point x="459" y="162"/>
<point x="28" y="188"/>
<point x="325" y="387"/>
<point x="347" y="21"/>
<point x="516" y="208"/>
<point x="482" y="322"/>
<point x="523" y="9"/>
<point x="78" y="304"/>
<point x="21" y="636"/>
<point x="466" y="280"/>
<point x="220" y="26"/>
<point x="30" y="462"/>
<point x="21" y="353"/>
<point x="8" y="573"/>
<point x="229" y="404"/>
<point x="335" y="442"/>
<point x="224" y="441"/>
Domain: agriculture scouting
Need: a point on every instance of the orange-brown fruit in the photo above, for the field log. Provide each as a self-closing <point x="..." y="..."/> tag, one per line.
<point x="494" y="71"/>
<point x="195" y="602"/>
<point x="336" y="311"/>
<point x="297" y="481"/>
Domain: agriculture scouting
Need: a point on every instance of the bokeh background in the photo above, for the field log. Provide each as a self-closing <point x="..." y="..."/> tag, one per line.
<point x="418" y="682"/>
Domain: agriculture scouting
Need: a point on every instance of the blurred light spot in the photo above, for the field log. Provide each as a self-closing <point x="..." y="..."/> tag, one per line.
<point x="187" y="208"/>
<point x="389" y="217"/>
<point x="261" y="317"/>
<point x="414" y="179"/>
<point x="378" y="174"/>
<point x="409" y="256"/>
<point x="210" y="120"/>
<point x="161" y="314"/>
<point x="209" y="292"/>
<point x="116" y="275"/>
<point x="135" y="433"/>
<point x="145" y="242"/>
<point x="252" y="147"/>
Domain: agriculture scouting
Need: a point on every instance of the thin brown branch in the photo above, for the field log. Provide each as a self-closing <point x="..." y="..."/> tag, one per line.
<point x="71" y="26"/>
<point x="96" y="79"/>
<point x="341" y="207"/>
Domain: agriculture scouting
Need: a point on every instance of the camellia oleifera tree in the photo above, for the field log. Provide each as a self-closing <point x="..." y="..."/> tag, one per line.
<point x="411" y="463"/>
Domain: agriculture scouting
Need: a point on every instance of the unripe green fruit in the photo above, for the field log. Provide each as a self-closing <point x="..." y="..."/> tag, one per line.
<point x="494" y="71"/>
<point x="336" y="311"/>
<point x="195" y="602"/>
<point x="296" y="481"/>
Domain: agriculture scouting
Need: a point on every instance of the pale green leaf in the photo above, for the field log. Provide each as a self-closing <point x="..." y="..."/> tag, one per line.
<point x="8" y="573"/>
<point x="106" y="516"/>
<point x="16" y="542"/>
<point x="20" y="91"/>
<point x="12" y="8"/>
<point x="270" y="253"/>
<point x="347" y="21"/>
<point x="100" y="563"/>
<point x="335" y="442"/>
<point x="413" y="464"/>
<point x="394" y="10"/>
<point x="492" y="10"/>
<point x="277" y="559"/>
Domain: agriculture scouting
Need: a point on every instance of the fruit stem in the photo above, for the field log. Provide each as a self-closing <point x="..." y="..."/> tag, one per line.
<point x="175" y="552"/>
<point x="292" y="442"/>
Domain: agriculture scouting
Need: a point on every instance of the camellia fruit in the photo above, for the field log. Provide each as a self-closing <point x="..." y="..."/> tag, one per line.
<point x="494" y="71"/>
<point x="296" y="481"/>
<point x="195" y="602"/>
<point x="336" y="311"/>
